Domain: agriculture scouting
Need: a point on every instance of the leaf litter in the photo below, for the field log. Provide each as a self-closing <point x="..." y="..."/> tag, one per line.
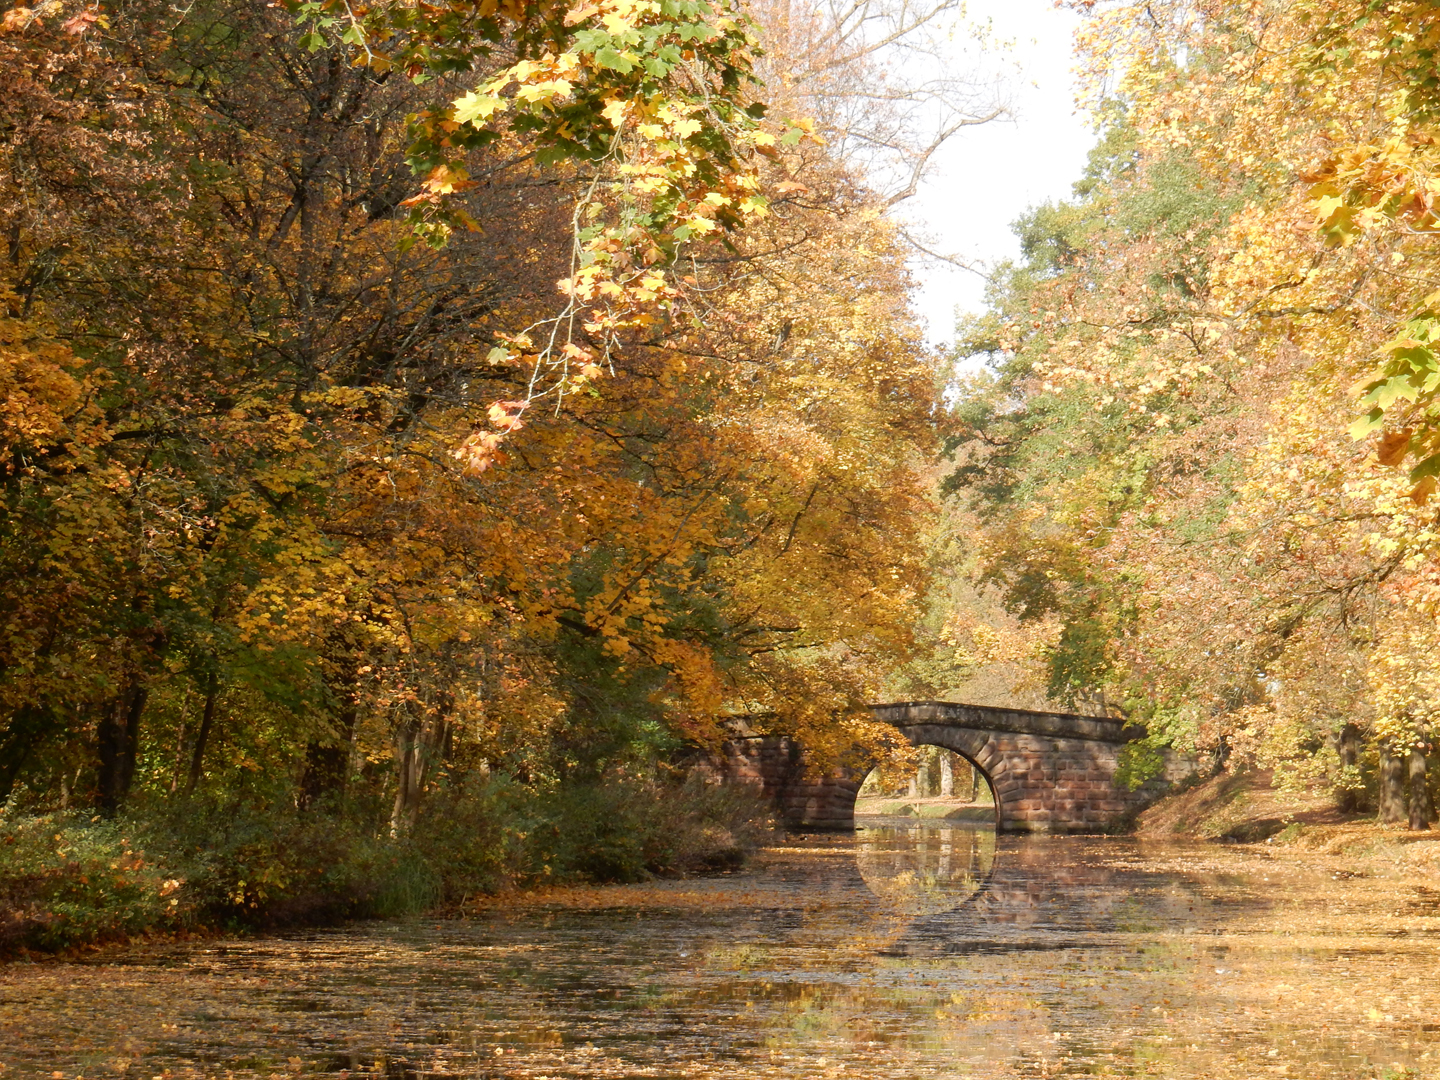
<point x="931" y="950"/>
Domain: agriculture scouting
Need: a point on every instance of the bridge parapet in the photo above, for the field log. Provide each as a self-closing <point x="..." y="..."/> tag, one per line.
<point x="1016" y="721"/>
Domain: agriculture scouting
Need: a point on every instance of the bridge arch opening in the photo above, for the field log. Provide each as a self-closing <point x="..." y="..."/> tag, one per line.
<point x="937" y="783"/>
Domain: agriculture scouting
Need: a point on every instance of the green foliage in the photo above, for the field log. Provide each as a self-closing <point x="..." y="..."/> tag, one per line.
<point x="1054" y="467"/>
<point x="1140" y="761"/>
<point x="252" y="862"/>
<point x="67" y="880"/>
<point x="627" y="830"/>
<point x="290" y="589"/>
<point x="1408" y="375"/>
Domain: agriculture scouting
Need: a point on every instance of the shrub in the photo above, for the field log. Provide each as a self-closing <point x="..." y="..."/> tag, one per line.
<point x="67" y="880"/>
<point x="627" y="829"/>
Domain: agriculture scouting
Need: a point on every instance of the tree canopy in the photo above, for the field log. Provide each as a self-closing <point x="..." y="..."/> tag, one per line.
<point x="1202" y="450"/>
<point x="628" y="448"/>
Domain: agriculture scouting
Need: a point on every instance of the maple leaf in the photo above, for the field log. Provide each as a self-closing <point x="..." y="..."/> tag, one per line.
<point x="475" y="106"/>
<point x="81" y="21"/>
<point x="580" y="13"/>
<point x="506" y="414"/>
<point x="1393" y="447"/>
<point x="16" y="19"/>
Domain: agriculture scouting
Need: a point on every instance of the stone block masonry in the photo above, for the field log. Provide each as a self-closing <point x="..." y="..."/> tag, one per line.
<point x="1050" y="772"/>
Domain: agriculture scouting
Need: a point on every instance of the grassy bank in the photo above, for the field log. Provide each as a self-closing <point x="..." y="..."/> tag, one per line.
<point x="936" y="808"/>
<point x="1240" y="807"/>
<point x="71" y="879"/>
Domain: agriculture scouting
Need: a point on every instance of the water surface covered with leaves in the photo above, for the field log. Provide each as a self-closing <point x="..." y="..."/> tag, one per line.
<point x="911" y="949"/>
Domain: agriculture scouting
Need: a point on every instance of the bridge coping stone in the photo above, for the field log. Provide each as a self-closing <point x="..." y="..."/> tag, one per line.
<point x="985" y="718"/>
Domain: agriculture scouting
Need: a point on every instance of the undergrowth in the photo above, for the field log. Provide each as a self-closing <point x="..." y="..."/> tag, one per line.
<point x="71" y="879"/>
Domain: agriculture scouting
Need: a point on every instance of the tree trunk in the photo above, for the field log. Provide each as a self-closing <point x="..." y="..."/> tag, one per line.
<point x="418" y="745"/>
<point x="947" y="775"/>
<point x="327" y="761"/>
<point x="1422" y="812"/>
<point x="325" y="768"/>
<point x="1392" y="786"/>
<point x="207" y="719"/>
<point x="974" y="784"/>
<point x="27" y="730"/>
<point x="118" y="747"/>
<point x="1347" y="798"/>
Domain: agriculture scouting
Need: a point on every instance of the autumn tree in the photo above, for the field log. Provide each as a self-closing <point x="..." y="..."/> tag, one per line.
<point x="313" y="532"/>
<point x="1256" y="570"/>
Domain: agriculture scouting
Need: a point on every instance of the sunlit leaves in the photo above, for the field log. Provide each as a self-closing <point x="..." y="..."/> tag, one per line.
<point x="1315" y="306"/>
<point x="652" y="94"/>
<point x="335" y="489"/>
<point x="1409" y="378"/>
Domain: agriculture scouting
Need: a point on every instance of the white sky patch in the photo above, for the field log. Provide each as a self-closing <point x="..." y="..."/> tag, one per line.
<point x="988" y="176"/>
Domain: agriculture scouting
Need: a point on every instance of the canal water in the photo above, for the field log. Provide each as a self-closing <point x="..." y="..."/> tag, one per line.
<point x="909" y="950"/>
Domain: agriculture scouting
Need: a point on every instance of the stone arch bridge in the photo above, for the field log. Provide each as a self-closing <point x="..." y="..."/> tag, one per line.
<point x="1050" y="772"/>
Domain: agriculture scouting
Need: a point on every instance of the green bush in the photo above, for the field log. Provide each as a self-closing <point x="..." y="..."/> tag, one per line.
<point x="67" y="880"/>
<point x="249" y="863"/>
<point x="628" y="830"/>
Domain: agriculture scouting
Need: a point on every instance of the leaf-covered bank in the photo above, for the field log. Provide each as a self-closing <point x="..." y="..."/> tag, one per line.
<point x="71" y="878"/>
<point x="1240" y="807"/>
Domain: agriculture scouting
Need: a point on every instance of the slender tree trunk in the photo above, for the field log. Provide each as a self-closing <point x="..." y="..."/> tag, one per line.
<point x="1222" y="752"/>
<point x="1422" y="812"/>
<point x="407" y="778"/>
<point x="177" y="769"/>
<point x="947" y="775"/>
<point x="207" y="720"/>
<point x="418" y="747"/>
<point x="1392" y="786"/>
<point x="1348" y="799"/>
<point x="178" y="765"/>
<point x="19" y="739"/>
<point x="118" y="747"/>
<point x="327" y="761"/>
<point x="974" y="784"/>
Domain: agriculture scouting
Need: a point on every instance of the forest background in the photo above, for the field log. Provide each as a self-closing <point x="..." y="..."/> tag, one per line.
<point x="423" y="428"/>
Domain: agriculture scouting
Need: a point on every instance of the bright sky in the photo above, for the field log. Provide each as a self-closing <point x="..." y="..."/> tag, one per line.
<point x="990" y="174"/>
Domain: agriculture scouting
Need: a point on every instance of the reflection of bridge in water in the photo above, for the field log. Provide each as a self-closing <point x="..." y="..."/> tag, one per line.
<point x="921" y="870"/>
<point x="1050" y="772"/>
<point x="1038" y="894"/>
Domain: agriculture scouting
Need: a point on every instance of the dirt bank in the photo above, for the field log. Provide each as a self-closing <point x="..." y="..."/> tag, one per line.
<point x="1238" y="807"/>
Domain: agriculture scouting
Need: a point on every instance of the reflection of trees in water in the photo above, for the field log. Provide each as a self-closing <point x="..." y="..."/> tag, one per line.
<point x="927" y="869"/>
